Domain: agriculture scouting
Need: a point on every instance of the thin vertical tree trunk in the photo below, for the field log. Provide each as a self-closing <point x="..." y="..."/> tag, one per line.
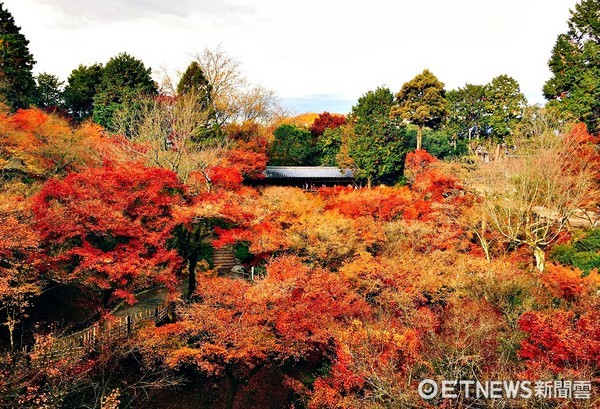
<point x="106" y="294"/>
<point x="231" y="392"/>
<point x="540" y="258"/>
<point x="484" y="243"/>
<point x="11" y="328"/>
<point x="419" y="137"/>
<point x="193" y="262"/>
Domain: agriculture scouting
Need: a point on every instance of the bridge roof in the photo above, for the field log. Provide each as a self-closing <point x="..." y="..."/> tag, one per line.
<point x="307" y="172"/>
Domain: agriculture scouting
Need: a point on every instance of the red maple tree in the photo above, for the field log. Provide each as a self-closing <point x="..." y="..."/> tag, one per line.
<point x="108" y="227"/>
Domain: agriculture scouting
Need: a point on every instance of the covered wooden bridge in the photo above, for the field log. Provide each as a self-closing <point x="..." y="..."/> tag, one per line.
<point x="307" y="177"/>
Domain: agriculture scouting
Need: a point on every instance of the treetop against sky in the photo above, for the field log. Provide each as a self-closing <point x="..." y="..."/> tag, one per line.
<point x="316" y="55"/>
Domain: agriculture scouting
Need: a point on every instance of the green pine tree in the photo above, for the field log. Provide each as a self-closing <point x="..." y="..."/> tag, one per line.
<point x="377" y="145"/>
<point x="575" y="65"/>
<point x="422" y="102"/>
<point x="17" y="86"/>
<point x="193" y="80"/>
<point x="48" y="91"/>
<point x="124" y="80"/>
<point x="504" y="104"/>
<point x="82" y="86"/>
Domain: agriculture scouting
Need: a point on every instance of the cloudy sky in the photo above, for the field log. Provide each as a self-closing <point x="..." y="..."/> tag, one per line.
<point x="316" y="54"/>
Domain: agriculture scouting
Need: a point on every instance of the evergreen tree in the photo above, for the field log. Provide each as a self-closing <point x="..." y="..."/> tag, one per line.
<point x="124" y="80"/>
<point x="378" y="144"/>
<point x="328" y="146"/>
<point x="575" y="65"/>
<point x="504" y="104"/>
<point x="48" y="91"/>
<point x="422" y="102"/>
<point x="81" y="88"/>
<point x="193" y="80"/>
<point x="17" y="86"/>
<point x="292" y="146"/>
<point x="467" y="116"/>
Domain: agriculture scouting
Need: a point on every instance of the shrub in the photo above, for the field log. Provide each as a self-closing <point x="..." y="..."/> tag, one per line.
<point x="590" y="243"/>
<point x="583" y="253"/>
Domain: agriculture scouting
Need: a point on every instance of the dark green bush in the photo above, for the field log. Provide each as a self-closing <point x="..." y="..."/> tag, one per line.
<point x="586" y="261"/>
<point x="583" y="253"/>
<point x="591" y="242"/>
<point x="563" y="253"/>
<point x="242" y="252"/>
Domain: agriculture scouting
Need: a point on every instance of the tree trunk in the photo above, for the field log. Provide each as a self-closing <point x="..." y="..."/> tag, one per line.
<point x="106" y="294"/>
<point x="419" y="137"/>
<point x="470" y="147"/>
<point x="10" y="322"/>
<point x="540" y="258"/>
<point x="484" y="243"/>
<point x="369" y="183"/>
<point x="231" y="392"/>
<point x="193" y="262"/>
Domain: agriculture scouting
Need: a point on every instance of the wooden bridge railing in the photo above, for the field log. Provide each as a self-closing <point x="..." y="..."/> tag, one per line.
<point x="77" y="344"/>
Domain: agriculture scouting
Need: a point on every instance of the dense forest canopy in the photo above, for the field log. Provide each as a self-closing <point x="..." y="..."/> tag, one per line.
<point x="467" y="246"/>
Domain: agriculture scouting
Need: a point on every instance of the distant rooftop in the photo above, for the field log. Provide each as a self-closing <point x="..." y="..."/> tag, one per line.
<point x="307" y="172"/>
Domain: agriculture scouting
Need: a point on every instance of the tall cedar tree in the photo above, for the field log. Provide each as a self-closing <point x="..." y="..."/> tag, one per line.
<point x="504" y="104"/>
<point x="124" y="79"/>
<point x="575" y="65"/>
<point x="492" y="110"/>
<point x="378" y="145"/>
<point x="194" y="82"/>
<point x="17" y="86"/>
<point x="422" y="101"/>
<point x="82" y="85"/>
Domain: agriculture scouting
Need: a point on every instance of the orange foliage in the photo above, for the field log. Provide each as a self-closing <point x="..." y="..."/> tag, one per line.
<point x="322" y="235"/>
<point x="249" y="163"/>
<point x="385" y="203"/>
<point x="560" y="342"/>
<point x="237" y="328"/>
<point x="375" y="278"/>
<point x="371" y="363"/>
<point x="43" y="144"/>
<point x="567" y="282"/>
<point x="582" y="151"/>
<point x="107" y="227"/>
<point x="303" y="120"/>
<point x="227" y="178"/>
<point x="417" y="161"/>
<point x="19" y="246"/>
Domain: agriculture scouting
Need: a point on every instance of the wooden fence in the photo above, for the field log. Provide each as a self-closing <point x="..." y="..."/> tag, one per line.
<point x="74" y="346"/>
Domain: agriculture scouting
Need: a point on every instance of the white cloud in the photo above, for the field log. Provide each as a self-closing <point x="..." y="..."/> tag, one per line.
<point x="307" y="49"/>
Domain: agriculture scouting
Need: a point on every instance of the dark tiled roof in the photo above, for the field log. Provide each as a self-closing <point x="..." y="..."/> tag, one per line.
<point x="307" y="172"/>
